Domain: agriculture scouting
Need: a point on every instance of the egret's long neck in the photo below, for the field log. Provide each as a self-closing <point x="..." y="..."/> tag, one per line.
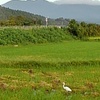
<point x="63" y="85"/>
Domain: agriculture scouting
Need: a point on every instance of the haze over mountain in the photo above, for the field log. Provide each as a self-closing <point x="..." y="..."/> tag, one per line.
<point x="80" y="12"/>
<point x="90" y="2"/>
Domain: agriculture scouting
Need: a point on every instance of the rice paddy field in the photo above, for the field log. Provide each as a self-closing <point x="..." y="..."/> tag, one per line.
<point x="36" y="72"/>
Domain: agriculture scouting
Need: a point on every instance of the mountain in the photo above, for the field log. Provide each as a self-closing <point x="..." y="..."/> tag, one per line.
<point x="80" y="12"/>
<point x="5" y="13"/>
<point x="40" y="7"/>
<point x="16" y="17"/>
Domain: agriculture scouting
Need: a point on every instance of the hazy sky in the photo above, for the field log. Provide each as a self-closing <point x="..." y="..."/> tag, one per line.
<point x="68" y="1"/>
<point x="93" y="2"/>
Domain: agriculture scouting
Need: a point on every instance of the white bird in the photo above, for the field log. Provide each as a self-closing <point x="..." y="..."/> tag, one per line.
<point x="66" y="88"/>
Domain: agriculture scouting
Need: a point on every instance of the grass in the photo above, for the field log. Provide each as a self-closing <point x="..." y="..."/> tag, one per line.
<point x="94" y="38"/>
<point x="44" y="84"/>
<point x="35" y="72"/>
<point x="54" y="52"/>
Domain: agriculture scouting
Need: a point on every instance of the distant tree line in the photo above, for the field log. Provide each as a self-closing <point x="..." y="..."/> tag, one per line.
<point x="82" y="30"/>
<point x="20" y="21"/>
<point x="27" y="21"/>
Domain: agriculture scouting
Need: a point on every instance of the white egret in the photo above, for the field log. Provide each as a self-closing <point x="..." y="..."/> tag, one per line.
<point x="66" y="88"/>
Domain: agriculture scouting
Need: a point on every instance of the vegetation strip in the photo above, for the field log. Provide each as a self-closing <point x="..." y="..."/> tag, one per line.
<point x="30" y="64"/>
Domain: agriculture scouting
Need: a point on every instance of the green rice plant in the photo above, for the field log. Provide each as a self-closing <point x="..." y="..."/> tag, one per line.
<point x="36" y="72"/>
<point x="55" y="54"/>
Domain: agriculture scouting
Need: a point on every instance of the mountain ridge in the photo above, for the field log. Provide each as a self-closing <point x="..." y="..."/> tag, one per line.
<point x="10" y="15"/>
<point x="80" y="12"/>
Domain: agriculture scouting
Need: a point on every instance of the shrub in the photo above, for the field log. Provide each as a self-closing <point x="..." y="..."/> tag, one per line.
<point x="35" y="35"/>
